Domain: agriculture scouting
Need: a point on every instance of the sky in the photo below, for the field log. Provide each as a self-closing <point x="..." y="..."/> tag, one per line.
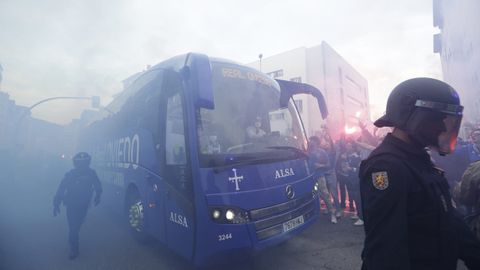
<point x="85" y="48"/>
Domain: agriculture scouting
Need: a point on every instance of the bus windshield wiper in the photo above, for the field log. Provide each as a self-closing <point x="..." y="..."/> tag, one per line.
<point x="246" y="160"/>
<point x="259" y="159"/>
<point x="290" y="148"/>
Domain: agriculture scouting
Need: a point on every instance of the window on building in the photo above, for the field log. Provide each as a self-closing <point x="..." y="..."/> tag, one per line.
<point x="437" y="43"/>
<point x="354" y="101"/>
<point x="342" y="98"/>
<point x="276" y="73"/>
<point x="277" y="116"/>
<point x="437" y="14"/>
<point x="299" y="104"/>
<point x="296" y="79"/>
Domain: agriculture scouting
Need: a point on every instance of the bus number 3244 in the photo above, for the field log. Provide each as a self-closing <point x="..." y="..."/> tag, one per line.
<point x="223" y="237"/>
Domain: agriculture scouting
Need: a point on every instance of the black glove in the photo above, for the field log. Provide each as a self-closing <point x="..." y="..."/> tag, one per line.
<point x="56" y="211"/>
<point x="96" y="201"/>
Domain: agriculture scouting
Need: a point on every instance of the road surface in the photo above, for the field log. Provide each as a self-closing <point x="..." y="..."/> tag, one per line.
<point x="32" y="239"/>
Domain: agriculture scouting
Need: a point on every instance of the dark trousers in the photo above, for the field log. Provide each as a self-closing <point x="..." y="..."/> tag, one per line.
<point x="353" y="185"/>
<point x="76" y="217"/>
<point x="342" y="184"/>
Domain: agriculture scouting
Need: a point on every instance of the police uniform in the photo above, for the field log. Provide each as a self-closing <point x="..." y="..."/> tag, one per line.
<point x="409" y="219"/>
<point x="410" y="222"/>
<point x="76" y="191"/>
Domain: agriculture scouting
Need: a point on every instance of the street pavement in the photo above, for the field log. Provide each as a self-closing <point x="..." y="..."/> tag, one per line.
<point x="32" y="239"/>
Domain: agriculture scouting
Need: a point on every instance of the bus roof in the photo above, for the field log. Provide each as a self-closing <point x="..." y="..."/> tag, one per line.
<point x="175" y="63"/>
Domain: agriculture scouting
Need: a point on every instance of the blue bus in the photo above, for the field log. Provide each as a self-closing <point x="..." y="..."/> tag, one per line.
<point x="208" y="157"/>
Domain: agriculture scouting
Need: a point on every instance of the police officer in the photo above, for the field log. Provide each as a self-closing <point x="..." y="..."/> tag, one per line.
<point x="75" y="191"/>
<point x="410" y="222"/>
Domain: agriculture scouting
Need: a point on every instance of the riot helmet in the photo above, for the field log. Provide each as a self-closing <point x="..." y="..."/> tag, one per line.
<point x="81" y="160"/>
<point x="428" y="110"/>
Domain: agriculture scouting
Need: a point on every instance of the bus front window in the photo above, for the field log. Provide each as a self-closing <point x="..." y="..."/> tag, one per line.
<point x="247" y="120"/>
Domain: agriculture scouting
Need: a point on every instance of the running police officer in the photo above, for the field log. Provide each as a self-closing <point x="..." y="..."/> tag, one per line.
<point x="410" y="222"/>
<point x="75" y="191"/>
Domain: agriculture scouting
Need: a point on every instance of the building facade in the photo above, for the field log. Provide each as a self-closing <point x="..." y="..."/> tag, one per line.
<point x="10" y="114"/>
<point x="458" y="44"/>
<point x="23" y="136"/>
<point x="345" y="89"/>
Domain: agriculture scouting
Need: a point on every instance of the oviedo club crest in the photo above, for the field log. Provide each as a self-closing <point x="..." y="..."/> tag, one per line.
<point x="380" y="180"/>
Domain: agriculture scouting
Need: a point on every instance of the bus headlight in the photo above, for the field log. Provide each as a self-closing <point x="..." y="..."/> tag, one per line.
<point x="315" y="189"/>
<point x="216" y="214"/>
<point x="229" y="215"/>
<point x="316" y="186"/>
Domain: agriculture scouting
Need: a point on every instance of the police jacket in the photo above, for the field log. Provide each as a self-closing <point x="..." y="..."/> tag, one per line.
<point x="77" y="186"/>
<point x="410" y="222"/>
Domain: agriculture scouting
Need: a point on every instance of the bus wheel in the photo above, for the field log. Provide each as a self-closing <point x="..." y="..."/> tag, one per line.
<point x="136" y="216"/>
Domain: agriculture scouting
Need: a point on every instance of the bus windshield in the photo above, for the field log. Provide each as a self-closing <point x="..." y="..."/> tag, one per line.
<point x="247" y="122"/>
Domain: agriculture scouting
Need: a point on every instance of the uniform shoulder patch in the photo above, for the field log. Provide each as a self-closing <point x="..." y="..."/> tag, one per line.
<point x="380" y="180"/>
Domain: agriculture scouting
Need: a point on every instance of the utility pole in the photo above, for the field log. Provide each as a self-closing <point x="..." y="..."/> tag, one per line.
<point x="260" y="58"/>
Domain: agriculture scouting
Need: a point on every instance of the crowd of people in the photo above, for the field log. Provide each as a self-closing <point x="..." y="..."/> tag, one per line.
<point x="336" y="165"/>
<point x="339" y="161"/>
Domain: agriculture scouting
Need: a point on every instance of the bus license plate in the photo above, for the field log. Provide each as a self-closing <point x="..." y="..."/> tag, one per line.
<point x="292" y="224"/>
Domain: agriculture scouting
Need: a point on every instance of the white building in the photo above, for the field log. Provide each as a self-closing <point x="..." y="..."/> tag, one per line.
<point x="459" y="46"/>
<point x="345" y="90"/>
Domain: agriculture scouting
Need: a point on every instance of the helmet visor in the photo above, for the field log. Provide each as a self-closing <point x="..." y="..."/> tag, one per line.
<point x="447" y="140"/>
<point x="440" y="107"/>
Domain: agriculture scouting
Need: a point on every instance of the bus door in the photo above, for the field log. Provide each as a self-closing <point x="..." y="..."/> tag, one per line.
<point x="179" y="208"/>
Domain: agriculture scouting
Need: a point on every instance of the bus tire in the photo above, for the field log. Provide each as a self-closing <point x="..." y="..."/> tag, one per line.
<point x="135" y="216"/>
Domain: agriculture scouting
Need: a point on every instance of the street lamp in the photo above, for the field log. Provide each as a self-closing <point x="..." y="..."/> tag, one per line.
<point x="95" y="101"/>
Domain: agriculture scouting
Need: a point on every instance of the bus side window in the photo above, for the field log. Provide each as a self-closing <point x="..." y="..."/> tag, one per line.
<point x="148" y="104"/>
<point x="140" y="109"/>
<point x="175" y="148"/>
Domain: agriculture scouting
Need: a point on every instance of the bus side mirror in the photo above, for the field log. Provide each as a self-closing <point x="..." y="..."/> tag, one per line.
<point x="289" y="89"/>
<point x="199" y="72"/>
